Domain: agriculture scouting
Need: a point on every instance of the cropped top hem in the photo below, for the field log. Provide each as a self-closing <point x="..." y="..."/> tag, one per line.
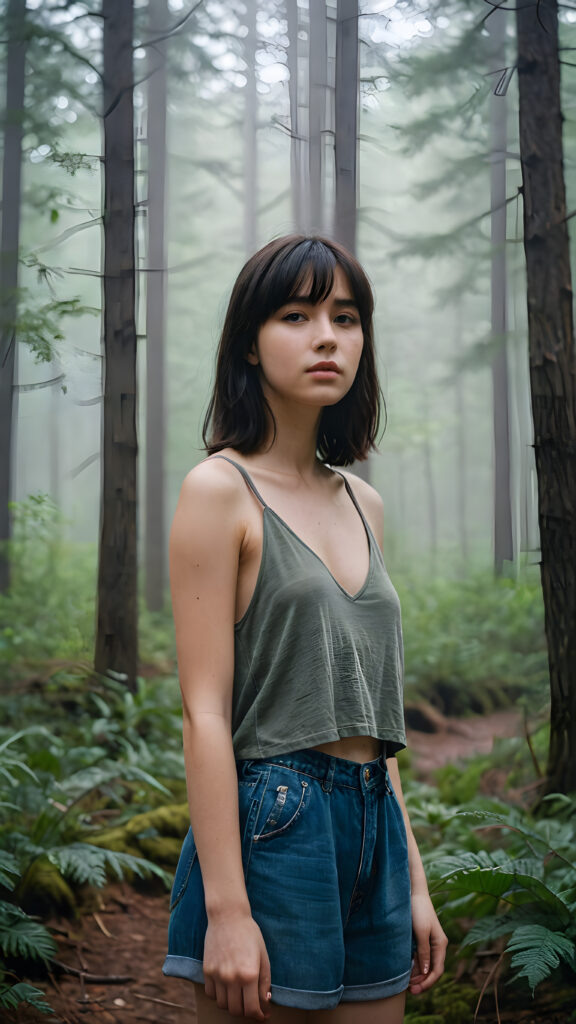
<point x="394" y="742"/>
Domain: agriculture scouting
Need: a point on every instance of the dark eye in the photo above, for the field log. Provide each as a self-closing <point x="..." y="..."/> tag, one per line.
<point x="346" y="318"/>
<point x="293" y="318"/>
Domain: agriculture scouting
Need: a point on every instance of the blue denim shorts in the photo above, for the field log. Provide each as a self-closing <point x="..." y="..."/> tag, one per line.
<point x="326" y="867"/>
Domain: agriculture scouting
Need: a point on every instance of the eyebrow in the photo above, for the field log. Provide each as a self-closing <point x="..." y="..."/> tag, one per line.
<point x="305" y="300"/>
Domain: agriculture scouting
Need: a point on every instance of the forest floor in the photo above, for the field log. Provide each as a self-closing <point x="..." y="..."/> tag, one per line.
<point x="109" y="961"/>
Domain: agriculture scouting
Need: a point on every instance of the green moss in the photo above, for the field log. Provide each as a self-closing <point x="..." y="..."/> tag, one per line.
<point x="448" y="1002"/>
<point x="42" y="890"/>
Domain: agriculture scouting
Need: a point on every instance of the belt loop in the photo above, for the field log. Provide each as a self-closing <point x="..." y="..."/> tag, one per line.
<point x="329" y="777"/>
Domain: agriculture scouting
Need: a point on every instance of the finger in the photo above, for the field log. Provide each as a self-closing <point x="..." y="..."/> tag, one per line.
<point x="235" y="1002"/>
<point x="221" y="995"/>
<point x="423" y="955"/>
<point x="252" y="1006"/>
<point x="209" y="987"/>
<point x="265" y="985"/>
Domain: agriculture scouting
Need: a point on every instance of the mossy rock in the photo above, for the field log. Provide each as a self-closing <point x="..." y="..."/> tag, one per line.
<point x="163" y="850"/>
<point x="170" y="820"/>
<point x="156" y="834"/>
<point x="43" y="891"/>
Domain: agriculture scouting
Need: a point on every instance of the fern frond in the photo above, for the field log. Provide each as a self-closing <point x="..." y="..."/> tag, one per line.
<point x="537" y="951"/>
<point x="12" y="996"/>
<point x="493" y="926"/>
<point x="21" y="936"/>
<point x="83" y="862"/>
<point x="510" y="885"/>
<point x="8" y="867"/>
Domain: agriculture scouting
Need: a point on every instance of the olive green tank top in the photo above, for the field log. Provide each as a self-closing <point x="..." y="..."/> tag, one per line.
<point x="314" y="663"/>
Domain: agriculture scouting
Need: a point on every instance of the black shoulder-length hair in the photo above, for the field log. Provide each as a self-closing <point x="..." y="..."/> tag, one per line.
<point x="238" y="415"/>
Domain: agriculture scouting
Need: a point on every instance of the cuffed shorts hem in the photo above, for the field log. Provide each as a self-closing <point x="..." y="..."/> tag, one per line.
<point x="380" y="990"/>
<point x="183" y="967"/>
<point x="301" y="999"/>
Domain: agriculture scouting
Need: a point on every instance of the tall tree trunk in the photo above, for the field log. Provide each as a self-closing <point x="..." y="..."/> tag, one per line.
<point x="552" y="365"/>
<point x="461" y="444"/>
<point x="296" y="184"/>
<point x="158" y="18"/>
<point x="9" y="247"/>
<point x="346" y="121"/>
<point x="503" y="545"/>
<point x="117" y="627"/>
<point x="318" y="87"/>
<point x="250" y="133"/>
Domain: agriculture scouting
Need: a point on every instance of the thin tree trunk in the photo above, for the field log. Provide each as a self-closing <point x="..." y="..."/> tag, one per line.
<point x="117" y="627"/>
<point x="346" y="121"/>
<point x="158" y="18"/>
<point x="503" y="544"/>
<point x="295" y="129"/>
<point x="250" y="133"/>
<point x="461" y="444"/>
<point x="552" y="365"/>
<point x="9" y="248"/>
<point x="318" y="85"/>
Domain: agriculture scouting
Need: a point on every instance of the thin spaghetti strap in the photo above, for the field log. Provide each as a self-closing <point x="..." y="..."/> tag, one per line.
<point x="353" y="497"/>
<point x="246" y="476"/>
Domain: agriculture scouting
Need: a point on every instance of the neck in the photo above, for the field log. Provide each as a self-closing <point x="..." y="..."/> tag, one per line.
<point x="292" y="449"/>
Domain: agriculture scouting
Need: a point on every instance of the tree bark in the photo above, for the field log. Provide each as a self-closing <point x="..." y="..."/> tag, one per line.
<point x="296" y="188"/>
<point x="552" y="366"/>
<point x="318" y="86"/>
<point x="346" y="121"/>
<point x="158" y="18"/>
<point x="9" y="248"/>
<point x="503" y="545"/>
<point x="117" y="626"/>
<point x="250" y="133"/>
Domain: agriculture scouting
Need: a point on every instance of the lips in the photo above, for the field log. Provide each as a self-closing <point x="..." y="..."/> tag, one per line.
<point x="327" y="367"/>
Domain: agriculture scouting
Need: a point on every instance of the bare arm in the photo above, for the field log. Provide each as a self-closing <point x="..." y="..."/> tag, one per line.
<point x="205" y="543"/>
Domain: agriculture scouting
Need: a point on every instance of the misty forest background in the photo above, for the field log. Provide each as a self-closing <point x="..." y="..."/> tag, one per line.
<point x="149" y="146"/>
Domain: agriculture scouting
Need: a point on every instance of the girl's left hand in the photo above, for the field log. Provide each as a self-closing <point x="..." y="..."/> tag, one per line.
<point x="431" y="945"/>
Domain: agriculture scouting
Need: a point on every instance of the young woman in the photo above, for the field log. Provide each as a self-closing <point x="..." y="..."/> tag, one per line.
<point x="300" y="895"/>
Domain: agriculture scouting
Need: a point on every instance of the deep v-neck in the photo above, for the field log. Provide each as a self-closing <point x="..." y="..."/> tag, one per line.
<point x="267" y="508"/>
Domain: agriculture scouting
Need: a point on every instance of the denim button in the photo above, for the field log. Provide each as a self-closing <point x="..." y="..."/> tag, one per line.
<point x="366" y="774"/>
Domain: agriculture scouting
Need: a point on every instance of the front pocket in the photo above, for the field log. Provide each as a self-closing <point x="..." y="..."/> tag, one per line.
<point x="287" y="806"/>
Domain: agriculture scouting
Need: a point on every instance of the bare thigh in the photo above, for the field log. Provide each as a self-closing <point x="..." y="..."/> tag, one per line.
<point x="377" y="1011"/>
<point x="209" y="1013"/>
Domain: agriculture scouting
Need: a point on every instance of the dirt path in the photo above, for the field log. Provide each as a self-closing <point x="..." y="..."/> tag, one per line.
<point x="453" y="739"/>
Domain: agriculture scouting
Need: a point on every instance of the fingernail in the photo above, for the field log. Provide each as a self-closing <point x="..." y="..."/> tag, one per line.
<point x="268" y="995"/>
<point x="426" y="968"/>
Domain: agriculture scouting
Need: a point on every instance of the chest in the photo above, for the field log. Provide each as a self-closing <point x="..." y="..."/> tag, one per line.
<point x="331" y="531"/>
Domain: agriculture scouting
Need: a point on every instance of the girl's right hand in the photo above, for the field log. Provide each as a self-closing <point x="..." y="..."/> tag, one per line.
<point x="236" y="967"/>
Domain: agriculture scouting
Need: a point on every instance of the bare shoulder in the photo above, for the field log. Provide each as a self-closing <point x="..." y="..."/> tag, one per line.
<point x="370" y="502"/>
<point x="212" y="500"/>
<point x="213" y="480"/>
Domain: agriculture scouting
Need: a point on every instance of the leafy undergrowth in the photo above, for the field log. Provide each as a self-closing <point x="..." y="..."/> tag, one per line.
<point x="474" y="645"/>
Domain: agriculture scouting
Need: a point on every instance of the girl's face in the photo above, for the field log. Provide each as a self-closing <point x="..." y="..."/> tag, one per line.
<point x="308" y="353"/>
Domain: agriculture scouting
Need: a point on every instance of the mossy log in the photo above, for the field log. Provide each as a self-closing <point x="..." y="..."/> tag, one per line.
<point x="155" y="834"/>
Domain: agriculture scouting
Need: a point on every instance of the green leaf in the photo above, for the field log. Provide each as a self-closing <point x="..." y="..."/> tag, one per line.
<point x="12" y="996"/>
<point x="537" y="951"/>
<point x="21" y="936"/>
<point x="54" y="216"/>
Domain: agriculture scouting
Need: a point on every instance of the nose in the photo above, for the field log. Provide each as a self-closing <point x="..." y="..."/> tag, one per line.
<point x="325" y="336"/>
